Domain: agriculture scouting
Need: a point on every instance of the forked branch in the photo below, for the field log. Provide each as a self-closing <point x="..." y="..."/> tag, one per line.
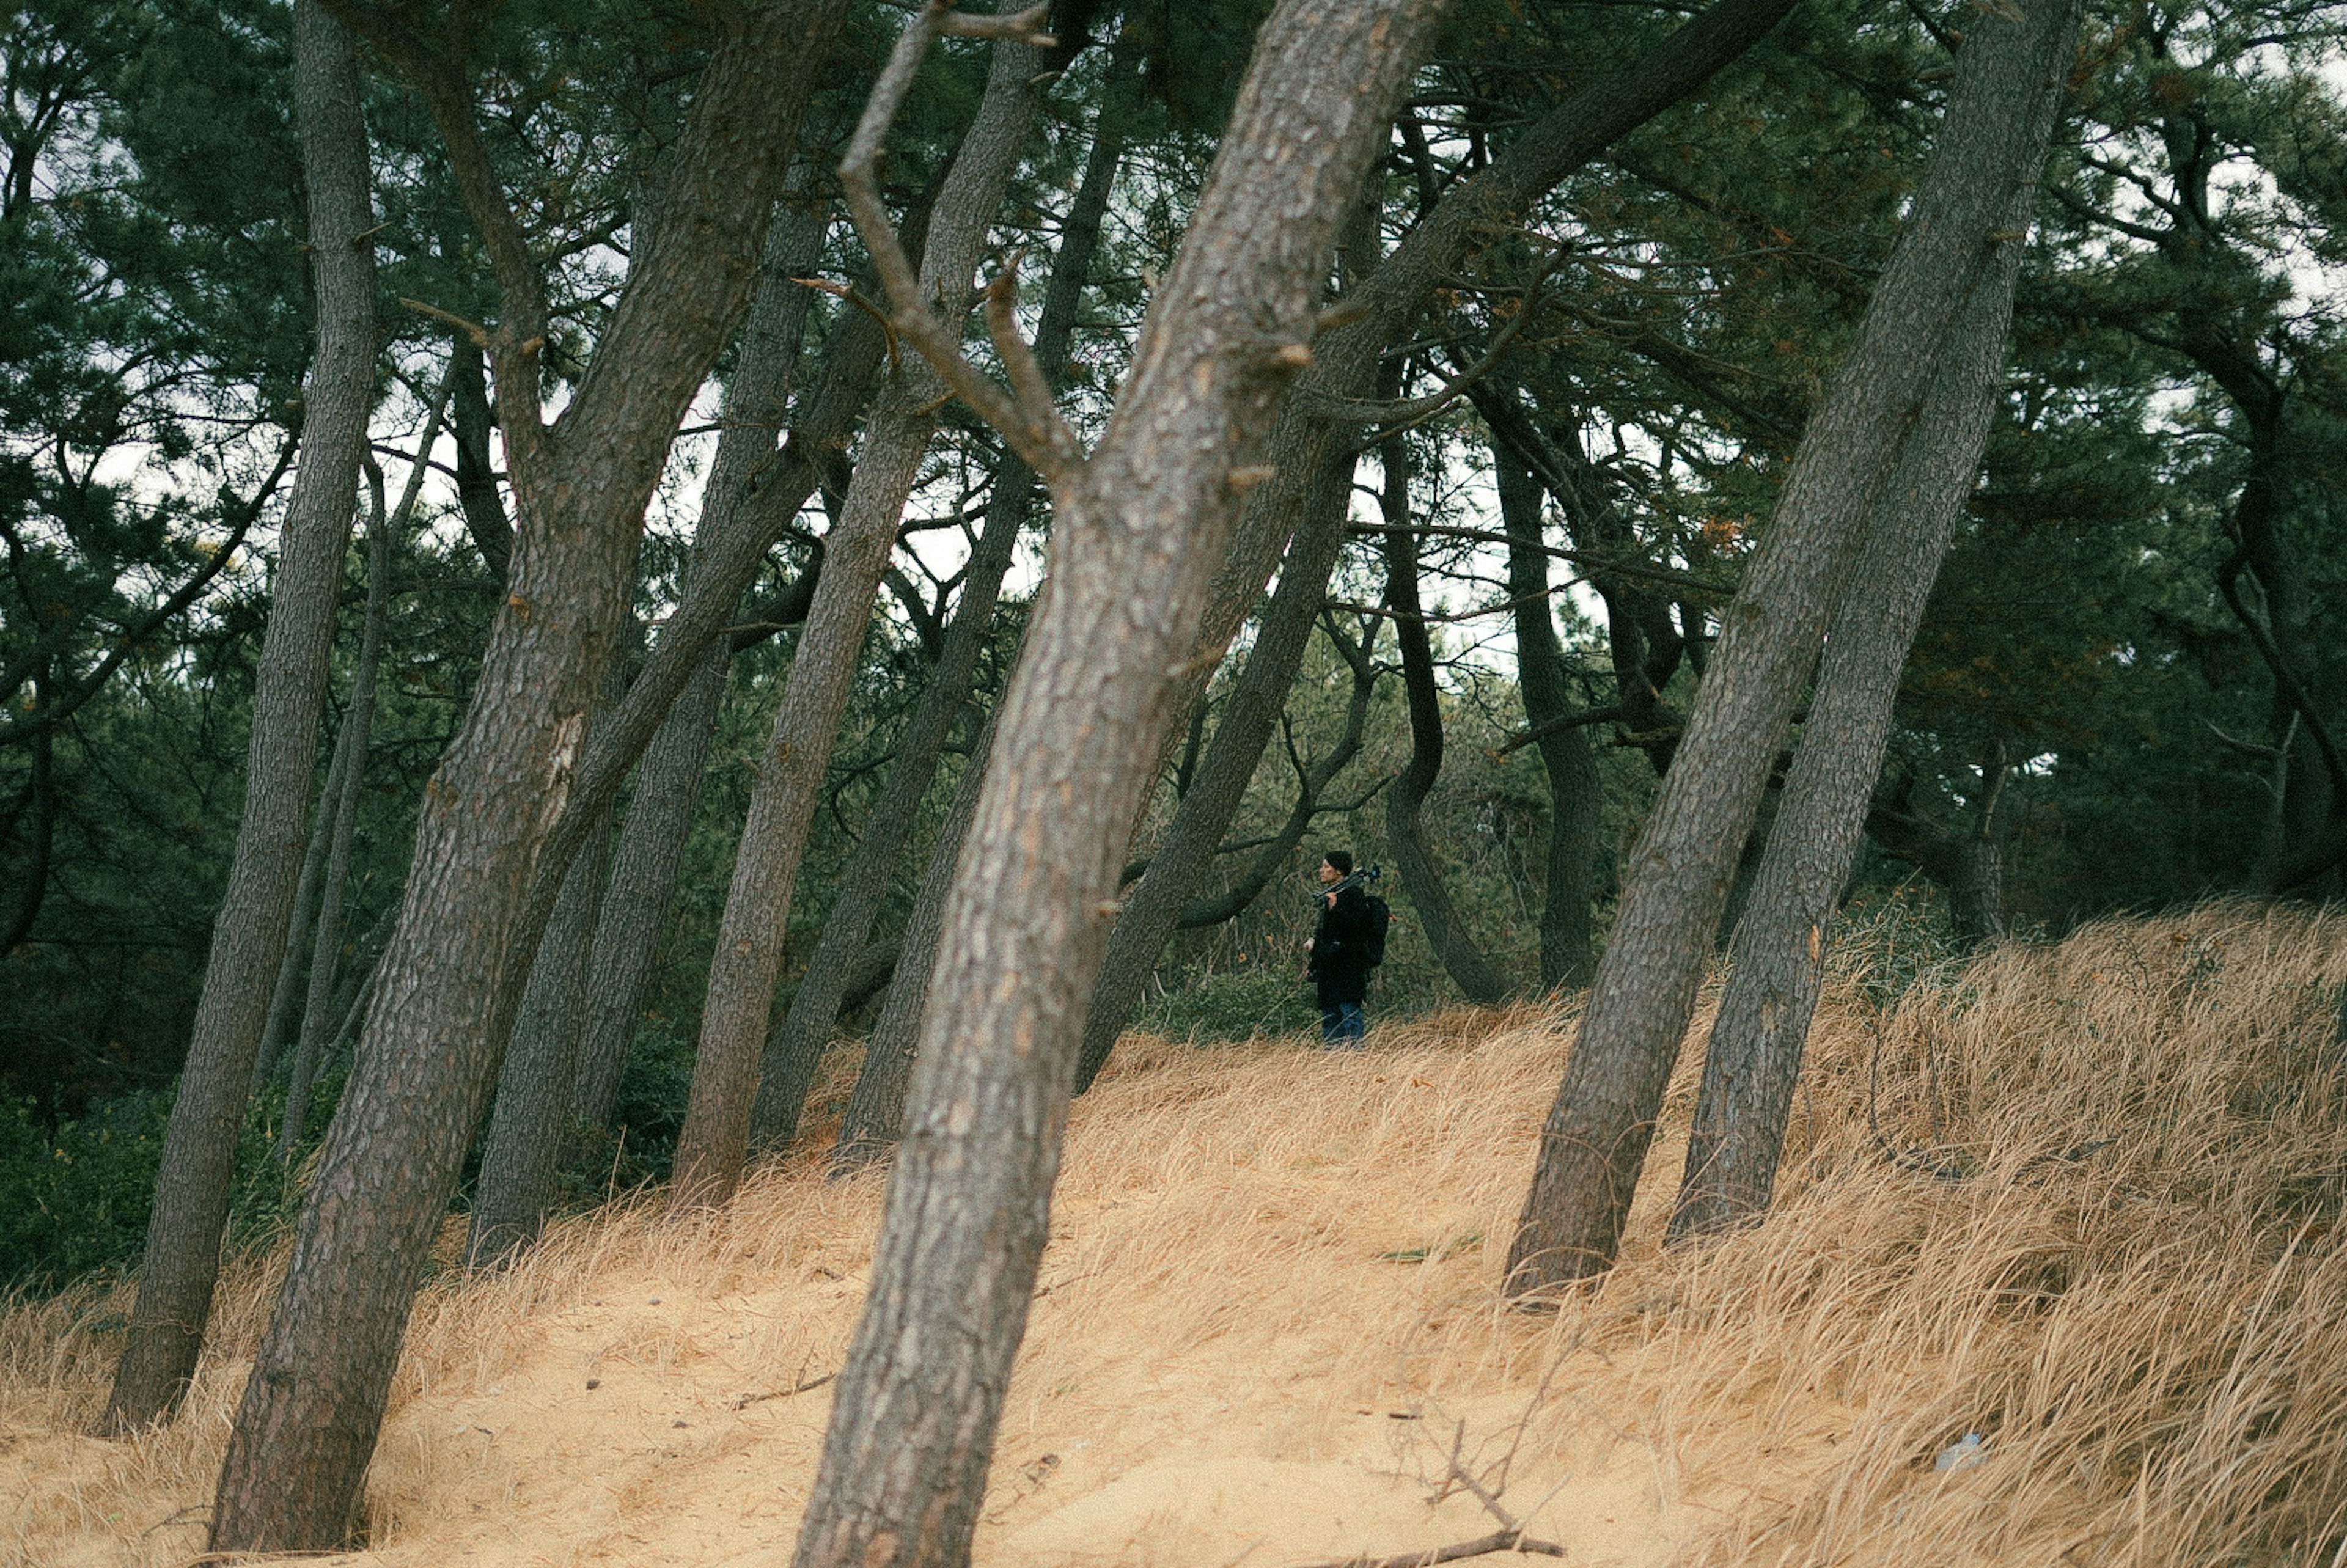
<point x="1025" y="415"/>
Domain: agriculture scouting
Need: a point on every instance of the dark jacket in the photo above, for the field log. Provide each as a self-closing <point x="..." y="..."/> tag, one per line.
<point x="1341" y="946"/>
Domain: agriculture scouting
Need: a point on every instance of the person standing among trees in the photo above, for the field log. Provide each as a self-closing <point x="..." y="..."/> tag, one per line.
<point x="1343" y="950"/>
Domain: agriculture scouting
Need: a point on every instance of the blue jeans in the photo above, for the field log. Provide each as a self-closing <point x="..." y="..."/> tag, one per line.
<point x="1342" y="1025"/>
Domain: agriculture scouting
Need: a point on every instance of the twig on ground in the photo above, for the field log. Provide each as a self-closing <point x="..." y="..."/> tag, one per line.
<point x="746" y="1400"/>
<point x="1498" y="1540"/>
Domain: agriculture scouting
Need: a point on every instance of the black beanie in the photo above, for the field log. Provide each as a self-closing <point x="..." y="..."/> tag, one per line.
<point x="1341" y="859"/>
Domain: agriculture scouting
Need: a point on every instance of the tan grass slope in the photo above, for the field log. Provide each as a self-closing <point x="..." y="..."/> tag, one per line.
<point x="1268" y="1317"/>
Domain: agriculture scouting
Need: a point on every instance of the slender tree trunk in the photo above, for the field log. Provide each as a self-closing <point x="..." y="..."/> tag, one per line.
<point x="1312" y="784"/>
<point x="538" y="1090"/>
<point x="1777" y="958"/>
<point x="340" y="806"/>
<point x="644" y="882"/>
<point x="837" y="961"/>
<point x="477" y="478"/>
<point x="713" y="1147"/>
<point x="1311" y="455"/>
<point x="1387" y="303"/>
<point x="796" y="1048"/>
<point x="1568" y="944"/>
<point x="199" y="1163"/>
<point x="1596" y="1139"/>
<point x="1421" y="876"/>
<point x="445" y="999"/>
<point x="876" y="1109"/>
<point x="1154" y="908"/>
<point x="523" y="1153"/>
<point x="1141" y="525"/>
<point x="285" y="999"/>
<point x="332" y="828"/>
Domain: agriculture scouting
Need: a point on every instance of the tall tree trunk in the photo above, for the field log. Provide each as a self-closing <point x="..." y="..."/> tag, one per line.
<point x="340" y="806"/>
<point x="1568" y="950"/>
<point x="286" y="997"/>
<point x="1306" y="502"/>
<point x="1776" y="961"/>
<point x="876" y="1108"/>
<point x="1154" y="909"/>
<point x="713" y="1147"/>
<point x="1421" y="876"/>
<point x="1596" y="1135"/>
<point x="199" y="1163"/>
<point x="1141" y="525"/>
<point x="644" y="868"/>
<point x="477" y="478"/>
<point x="1385" y="306"/>
<point x="522" y="1156"/>
<point x="444" y="999"/>
<point x="287" y="1007"/>
<point x="537" y="1091"/>
<point x="795" y="1050"/>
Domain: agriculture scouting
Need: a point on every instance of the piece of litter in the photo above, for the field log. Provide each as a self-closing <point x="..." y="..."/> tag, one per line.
<point x="1961" y="1455"/>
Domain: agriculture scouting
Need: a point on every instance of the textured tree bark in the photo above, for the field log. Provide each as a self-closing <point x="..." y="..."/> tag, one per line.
<point x="289" y="1004"/>
<point x="523" y="1152"/>
<point x="1568" y="950"/>
<point x="285" y="997"/>
<point x="443" y="1001"/>
<point x="539" y="1090"/>
<point x="1154" y="908"/>
<point x="1141" y="525"/>
<point x="1596" y="1135"/>
<point x="876" y="1108"/>
<point x="339" y="807"/>
<point x="1312" y="456"/>
<point x="199" y="1163"/>
<point x="796" y="1048"/>
<point x="1777" y="959"/>
<point x="1421" y="876"/>
<point x="1385" y="303"/>
<point x="644" y="881"/>
<point x="713" y="1148"/>
<point x="477" y="478"/>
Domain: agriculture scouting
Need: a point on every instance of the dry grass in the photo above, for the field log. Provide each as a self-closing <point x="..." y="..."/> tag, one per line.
<point x="1269" y="1311"/>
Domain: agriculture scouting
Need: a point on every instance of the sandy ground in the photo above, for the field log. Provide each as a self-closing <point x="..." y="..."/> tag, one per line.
<point x="1268" y="1328"/>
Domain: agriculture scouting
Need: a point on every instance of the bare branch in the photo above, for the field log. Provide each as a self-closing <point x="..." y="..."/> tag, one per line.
<point x="1498" y="1540"/>
<point x="911" y="313"/>
<point x="1027" y="379"/>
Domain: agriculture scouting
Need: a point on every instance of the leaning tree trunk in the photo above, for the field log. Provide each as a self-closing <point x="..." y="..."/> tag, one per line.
<point x="1141" y="526"/>
<point x="876" y="1108"/>
<point x="1596" y="1135"/>
<point x="522" y="1156"/>
<point x="1568" y="950"/>
<point x="1777" y="958"/>
<point x="199" y="1163"/>
<point x="645" y="867"/>
<point x="444" y="996"/>
<point x="1311" y="451"/>
<point x="537" y="1091"/>
<point x="1153" y="910"/>
<point x="1421" y="878"/>
<point x="793" y="1055"/>
<point x="341" y="805"/>
<point x="713" y="1147"/>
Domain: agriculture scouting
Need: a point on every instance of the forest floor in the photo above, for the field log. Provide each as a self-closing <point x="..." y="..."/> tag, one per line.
<point x="2077" y="1198"/>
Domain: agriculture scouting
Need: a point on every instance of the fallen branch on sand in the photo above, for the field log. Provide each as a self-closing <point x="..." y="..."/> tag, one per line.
<point x="746" y="1400"/>
<point x="1509" y="1537"/>
<point x="1498" y="1540"/>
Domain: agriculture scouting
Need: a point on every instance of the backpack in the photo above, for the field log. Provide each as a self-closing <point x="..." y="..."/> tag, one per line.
<point x="1380" y="916"/>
